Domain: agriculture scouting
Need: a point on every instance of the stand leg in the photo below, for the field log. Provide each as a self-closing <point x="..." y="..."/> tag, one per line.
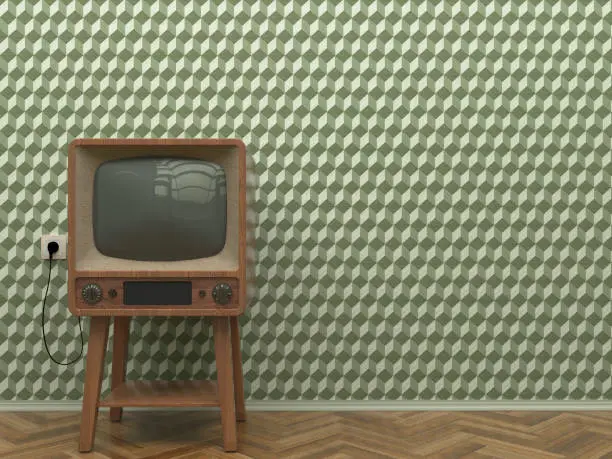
<point x="120" y="350"/>
<point x="225" y="383"/>
<point x="237" y="364"/>
<point x="98" y="335"/>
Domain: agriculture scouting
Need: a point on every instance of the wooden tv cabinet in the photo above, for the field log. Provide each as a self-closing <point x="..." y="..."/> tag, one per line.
<point x="97" y="286"/>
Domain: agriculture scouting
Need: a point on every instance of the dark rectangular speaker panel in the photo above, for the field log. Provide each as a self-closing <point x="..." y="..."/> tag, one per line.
<point x="144" y="293"/>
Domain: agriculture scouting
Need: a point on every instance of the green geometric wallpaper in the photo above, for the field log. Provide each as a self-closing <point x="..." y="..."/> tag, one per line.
<point x="434" y="187"/>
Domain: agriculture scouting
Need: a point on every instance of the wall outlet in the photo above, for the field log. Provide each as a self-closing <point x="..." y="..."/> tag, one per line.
<point x="61" y="239"/>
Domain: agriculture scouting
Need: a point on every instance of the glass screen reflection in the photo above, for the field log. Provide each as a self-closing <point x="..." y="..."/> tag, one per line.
<point x="159" y="209"/>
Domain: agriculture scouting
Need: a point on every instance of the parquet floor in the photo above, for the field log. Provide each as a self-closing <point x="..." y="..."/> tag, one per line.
<point x="192" y="434"/>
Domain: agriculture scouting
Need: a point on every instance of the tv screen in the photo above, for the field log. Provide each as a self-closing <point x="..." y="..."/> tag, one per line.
<point x="159" y="209"/>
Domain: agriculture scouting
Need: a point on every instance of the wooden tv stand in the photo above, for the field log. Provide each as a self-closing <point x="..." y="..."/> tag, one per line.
<point x="227" y="392"/>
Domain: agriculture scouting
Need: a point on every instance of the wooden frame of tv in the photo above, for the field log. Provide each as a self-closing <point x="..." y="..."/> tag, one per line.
<point x="228" y="392"/>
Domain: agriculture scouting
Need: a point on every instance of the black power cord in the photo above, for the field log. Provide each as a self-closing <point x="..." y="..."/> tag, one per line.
<point x="53" y="247"/>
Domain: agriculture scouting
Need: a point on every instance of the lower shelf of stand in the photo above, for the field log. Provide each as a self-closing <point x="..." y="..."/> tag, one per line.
<point x="163" y="393"/>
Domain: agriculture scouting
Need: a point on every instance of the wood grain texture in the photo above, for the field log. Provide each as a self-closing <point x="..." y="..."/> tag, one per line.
<point x="198" y="434"/>
<point x="98" y="336"/>
<point x="163" y="394"/>
<point x="237" y="369"/>
<point x="121" y="340"/>
<point x="230" y="263"/>
<point x="225" y="381"/>
<point x="200" y="305"/>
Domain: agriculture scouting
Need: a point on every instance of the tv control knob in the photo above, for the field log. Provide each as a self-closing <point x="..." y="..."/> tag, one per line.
<point x="222" y="293"/>
<point x="91" y="293"/>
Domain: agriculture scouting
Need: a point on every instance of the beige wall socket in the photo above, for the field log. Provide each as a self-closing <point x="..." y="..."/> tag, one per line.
<point x="62" y="241"/>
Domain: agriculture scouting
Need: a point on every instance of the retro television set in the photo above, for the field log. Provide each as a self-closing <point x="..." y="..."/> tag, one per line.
<point x="158" y="227"/>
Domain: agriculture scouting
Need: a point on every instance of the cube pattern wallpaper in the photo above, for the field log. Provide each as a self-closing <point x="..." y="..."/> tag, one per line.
<point x="434" y="188"/>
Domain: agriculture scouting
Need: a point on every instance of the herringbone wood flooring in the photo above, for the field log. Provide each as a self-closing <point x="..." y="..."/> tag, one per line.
<point x="197" y="434"/>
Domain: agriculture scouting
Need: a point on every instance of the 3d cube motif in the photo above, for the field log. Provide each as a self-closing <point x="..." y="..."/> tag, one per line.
<point x="434" y="199"/>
